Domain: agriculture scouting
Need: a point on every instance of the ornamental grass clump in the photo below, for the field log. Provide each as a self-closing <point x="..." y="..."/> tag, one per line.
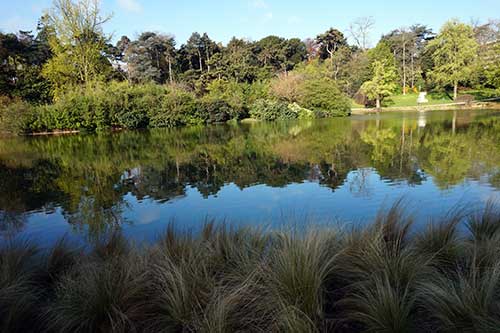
<point x="385" y="276"/>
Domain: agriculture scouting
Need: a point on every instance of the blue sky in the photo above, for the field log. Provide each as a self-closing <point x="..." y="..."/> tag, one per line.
<point x="255" y="19"/>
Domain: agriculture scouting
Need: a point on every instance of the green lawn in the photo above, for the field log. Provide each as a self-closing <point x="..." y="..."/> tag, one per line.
<point x="411" y="99"/>
<point x="433" y="98"/>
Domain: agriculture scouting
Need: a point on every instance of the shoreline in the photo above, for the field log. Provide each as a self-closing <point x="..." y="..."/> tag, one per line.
<point x="490" y="105"/>
<point x="433" y="107"/>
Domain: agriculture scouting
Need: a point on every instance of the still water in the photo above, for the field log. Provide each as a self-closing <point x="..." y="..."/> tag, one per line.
<point x="268" y="174"/>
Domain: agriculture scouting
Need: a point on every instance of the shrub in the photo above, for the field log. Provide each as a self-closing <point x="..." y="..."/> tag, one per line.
<point x="257" y="90"/>
<point x="264" y="109"/>
<point x="87" y="105"/>
<point x="217" y="111"/>
<point x="129" y="104"/>
<point x="324" y="97"/>
<point x="178" y="107"/>
<point x="55" y="117"/>
<point x="231" y="92"/>
<point x="302" y="113"/>
<point x="287" y="87"/>
<point x="15" y="117"/>
<point x="119" y="105"/>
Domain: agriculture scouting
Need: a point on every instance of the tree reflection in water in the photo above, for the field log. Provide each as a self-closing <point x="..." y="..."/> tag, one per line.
<point x="87" y="176"/>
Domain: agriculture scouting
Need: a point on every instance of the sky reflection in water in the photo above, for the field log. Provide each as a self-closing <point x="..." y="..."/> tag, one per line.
<point x="270" y="174"/>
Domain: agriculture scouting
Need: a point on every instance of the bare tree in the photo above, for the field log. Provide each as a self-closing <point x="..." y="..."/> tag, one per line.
<point x="360" y="29"/>
<point x="486" y="33"/>
<point x="406" y="38"/>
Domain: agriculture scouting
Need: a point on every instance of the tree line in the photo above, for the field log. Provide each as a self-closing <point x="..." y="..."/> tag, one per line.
<point x="71" y="52"/>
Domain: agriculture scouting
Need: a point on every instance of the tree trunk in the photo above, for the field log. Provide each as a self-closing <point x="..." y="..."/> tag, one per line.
<point x="454" y="122"/>
<point x="455" y="90"/>
<point x="404" y="68"/>
<point x="412" y="72"/>
<point x="378" y="103"/>
<point x="208" y="61"/>
<point x="199" y="58"/>
<point x="170" y="70"/>
<point x="330" y="52"/>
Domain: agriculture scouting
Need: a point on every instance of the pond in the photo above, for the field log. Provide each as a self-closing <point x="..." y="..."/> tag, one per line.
<point x="268" y="174"/>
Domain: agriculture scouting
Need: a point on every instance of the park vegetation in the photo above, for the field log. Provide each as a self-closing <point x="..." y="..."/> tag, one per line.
<point x="383" y="277"/>
<point x="70" y="76"/>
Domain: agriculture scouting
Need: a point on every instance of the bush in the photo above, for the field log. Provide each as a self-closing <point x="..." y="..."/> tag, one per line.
<point x="16" y="117"/>
<point x="129" y="104"/>
<point x="264" y="109"/>
<point x="239" y="96"/>
<point x="287" y="87"/>
<point x="55" y="117"/>
<point x="231" y="92"/>
<point x="117" y="105"/>
<point x="122" y="105"/>
<point x="217" y="111"/>
<point x="302" y="113"/>
<point x="324" y="98"/>
<point x="178" y="107"/>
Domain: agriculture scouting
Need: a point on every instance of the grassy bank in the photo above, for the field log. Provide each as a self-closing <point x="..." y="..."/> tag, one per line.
<point x="434" y="98"/>
<point x="411" y="100"/>
<point x="383" y="277"/>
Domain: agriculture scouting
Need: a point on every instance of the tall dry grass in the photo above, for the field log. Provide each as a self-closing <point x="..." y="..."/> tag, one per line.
<point x="385" y="276"/>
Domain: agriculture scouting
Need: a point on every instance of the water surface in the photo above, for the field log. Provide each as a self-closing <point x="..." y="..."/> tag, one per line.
<point x="270" y="174"/>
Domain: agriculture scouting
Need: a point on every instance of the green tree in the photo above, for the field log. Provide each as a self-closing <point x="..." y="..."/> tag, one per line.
<point x="454" y="54"/>
<point x="488" y="64"/>
<point x="382" y="83"/>
<point x="21" y="58"/>
<point x="271" y="52"/>
<point x="239" y="61"/>
<point x="151" y="57"/>
<point x="402" y="42"/>
<point x="295" y="53"/>
<point x="329" y="42"/>
<point x="381" y="52"/>
<point x="77" y="44"/>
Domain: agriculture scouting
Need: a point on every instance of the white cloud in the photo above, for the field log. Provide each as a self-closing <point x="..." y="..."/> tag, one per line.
<point x="130" y="5"/>
<point x="259" y="4"/>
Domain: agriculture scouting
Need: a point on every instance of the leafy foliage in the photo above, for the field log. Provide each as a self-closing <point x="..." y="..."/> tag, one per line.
<point x="271" y="110"/>
<point x="382" y="83"/>
<point x="324" y="97"/>
<point x="454" y="51"/>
